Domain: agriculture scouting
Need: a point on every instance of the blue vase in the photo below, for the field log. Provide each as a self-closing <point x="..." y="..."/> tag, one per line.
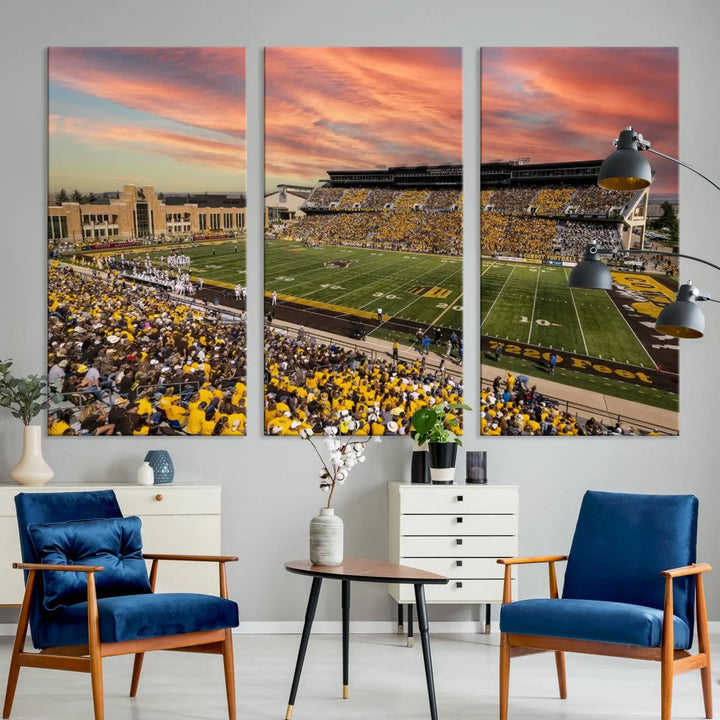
<point x="162" y="466"/>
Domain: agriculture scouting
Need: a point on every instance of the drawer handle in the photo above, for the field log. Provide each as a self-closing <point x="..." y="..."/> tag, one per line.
<point x="458" y="541"/>
<point x="459" y="498"/>
<point x="459" y="519"/>
<point x="458" y="585"/>
<point x="458" y="563"/>
<point x="159" y="497"/>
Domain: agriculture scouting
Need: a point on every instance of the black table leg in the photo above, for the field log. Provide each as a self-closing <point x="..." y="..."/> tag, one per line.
<point x="410" y="640"/>
<point x="487" y="618"/>
<point x="400" y="628"/>
<point x="309" y="615"/>
<point x="425" y="640"/>
<point x="346" y="635"/>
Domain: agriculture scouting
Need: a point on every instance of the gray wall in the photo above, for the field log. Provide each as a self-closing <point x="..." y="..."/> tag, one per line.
<point x="269" y="484"/>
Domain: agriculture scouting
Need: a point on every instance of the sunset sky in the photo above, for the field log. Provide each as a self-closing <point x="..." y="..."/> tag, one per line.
<point x="335" y="108"/>
<point x="555" y="104"/>
<point x="169" y="117"/>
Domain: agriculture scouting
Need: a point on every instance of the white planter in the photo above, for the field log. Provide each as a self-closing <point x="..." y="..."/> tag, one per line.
<point x="326" y="538"/>
<point x="32" y="468"/>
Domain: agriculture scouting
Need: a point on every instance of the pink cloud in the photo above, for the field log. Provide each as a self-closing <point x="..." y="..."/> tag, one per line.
<point x="201" y="87"/>
<point x="555" y="104"/>
<point x="360" y="107"/>
<point x="179" y="146"/>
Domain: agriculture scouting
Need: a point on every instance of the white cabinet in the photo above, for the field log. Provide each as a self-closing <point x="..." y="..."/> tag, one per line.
<point x="179" y="519"/>
<point x="456" y="530"/>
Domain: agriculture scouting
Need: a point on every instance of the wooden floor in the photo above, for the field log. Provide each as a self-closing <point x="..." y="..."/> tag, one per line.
<point x="386" y="681"/>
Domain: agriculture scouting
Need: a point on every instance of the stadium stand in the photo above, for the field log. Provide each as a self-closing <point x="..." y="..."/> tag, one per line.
<point x="312" y="385"/>
<point x="130" y="359"/>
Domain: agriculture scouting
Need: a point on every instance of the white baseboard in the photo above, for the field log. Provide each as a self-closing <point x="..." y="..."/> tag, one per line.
<point x="364" y="627"/>
<point x="294" y="627"/>
<point x="326" y="627"/>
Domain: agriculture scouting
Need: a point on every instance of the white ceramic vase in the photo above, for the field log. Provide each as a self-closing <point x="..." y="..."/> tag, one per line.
<point x="326" y="538"/>
<point x="145" y="474"/>
<point x="32" y="468"/>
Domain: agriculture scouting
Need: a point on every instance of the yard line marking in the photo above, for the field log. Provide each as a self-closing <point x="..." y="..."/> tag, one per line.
<point x="449" y="307"/>
<point x="420" y="297"/>
<point x="497" y="297"/>
<point x="532" y="313"/>
<point x="577" y="315"/>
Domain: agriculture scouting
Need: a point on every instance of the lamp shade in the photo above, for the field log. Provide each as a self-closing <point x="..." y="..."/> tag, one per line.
<point x="626" y="168"/>
<point x="682" y="318"/>
<point x="590" y="273"/>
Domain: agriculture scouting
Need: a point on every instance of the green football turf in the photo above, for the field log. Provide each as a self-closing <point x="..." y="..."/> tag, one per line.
<point x="399" y="282"/>
<point x="533" y="304"/>
<point x="224" y="266"/>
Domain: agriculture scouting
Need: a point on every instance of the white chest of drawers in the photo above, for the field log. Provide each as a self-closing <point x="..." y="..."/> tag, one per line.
<point x="178" y="519"/>
<point x="456" y="530"/>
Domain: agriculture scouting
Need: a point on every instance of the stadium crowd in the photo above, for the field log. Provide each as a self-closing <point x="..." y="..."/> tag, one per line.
<point x="129" y="359"/>
<point x="312" y="385"/>
<point x="407" y="230"/>
<point x="511" y="407"/>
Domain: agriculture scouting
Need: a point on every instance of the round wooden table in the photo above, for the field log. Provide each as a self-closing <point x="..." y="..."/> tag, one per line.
<point x="363" y="570"/>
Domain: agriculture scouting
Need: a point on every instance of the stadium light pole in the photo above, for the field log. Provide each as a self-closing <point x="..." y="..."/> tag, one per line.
<point x="626" y="169"/>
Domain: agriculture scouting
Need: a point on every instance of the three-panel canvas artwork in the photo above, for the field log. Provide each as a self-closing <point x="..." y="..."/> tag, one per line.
<point x="362" y="240"/>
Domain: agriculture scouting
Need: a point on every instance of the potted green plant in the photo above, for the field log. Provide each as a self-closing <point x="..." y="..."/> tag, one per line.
<point x="26" y="398"/>
<point x="436" y="425"/>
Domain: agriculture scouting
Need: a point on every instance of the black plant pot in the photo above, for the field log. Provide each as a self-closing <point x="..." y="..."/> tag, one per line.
<point x="442" y="462"/>
<point x="420" y="466"/>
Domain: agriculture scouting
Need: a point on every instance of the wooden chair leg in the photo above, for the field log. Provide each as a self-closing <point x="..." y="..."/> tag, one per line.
<point x="666" y="688"/>
<point x="704" y="645"/>
<point x="96" y="678"/>
<point x="137" y="668"/>
<point x="229" y="665"/>
<point x="560" y="666"/>
<point x="18" y="646"/>
<point x="96" y="673"/>
<point x="504" y="675"/>
<point x="11" y="685"/>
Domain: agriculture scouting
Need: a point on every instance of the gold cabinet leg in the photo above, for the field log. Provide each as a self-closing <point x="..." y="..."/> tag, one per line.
<point x="288" y="713"/>
<point x="346" y="690"/>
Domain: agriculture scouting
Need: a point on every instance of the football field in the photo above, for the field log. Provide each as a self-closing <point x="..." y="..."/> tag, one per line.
<point x="532" y="304"/>
<point x="418" y="287"/>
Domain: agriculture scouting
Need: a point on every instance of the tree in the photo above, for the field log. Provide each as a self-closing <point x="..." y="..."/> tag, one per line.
<point x="91" y="197"/>
<point x="61" y="197"/>
<point x="669" y="220"/>
<point x="76" y="196"/>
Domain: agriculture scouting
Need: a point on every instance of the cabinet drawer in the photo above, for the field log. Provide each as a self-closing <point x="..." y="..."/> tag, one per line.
<point x="458" y="525"/>
<point x="164" y="500"/>
<point x="472" y="592"/>
<point x="460" y="568"/>
<point x="458" y="498"/>
<point x="457" y="546"/>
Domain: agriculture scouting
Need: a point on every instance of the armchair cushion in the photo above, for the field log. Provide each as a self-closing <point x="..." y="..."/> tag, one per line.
<point x="113" y="543"/>
<point x="597" y="620"/>
<point x="133" y="617"/>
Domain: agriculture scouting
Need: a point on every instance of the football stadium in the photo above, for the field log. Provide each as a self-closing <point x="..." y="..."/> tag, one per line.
<point x="375" y="256"/>
<point x="138" y="343"/>
<point x="597" y="354"/>
<point x="363" y="294"/>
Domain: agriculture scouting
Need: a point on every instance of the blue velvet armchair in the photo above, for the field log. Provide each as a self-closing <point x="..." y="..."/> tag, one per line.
<point x="88" y="594"/>
<point x="632" y="589"/>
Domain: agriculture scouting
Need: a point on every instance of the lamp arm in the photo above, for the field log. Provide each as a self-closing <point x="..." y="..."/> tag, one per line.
<point x="680" y="162"/>
<point x="614" y="251"/>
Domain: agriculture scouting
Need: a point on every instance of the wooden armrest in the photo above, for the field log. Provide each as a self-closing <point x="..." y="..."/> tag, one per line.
<point x="526" y="560"/>
<point x="197" y="558"/>
<point x="71" y="568"/>
<point x="694" y="569"/>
